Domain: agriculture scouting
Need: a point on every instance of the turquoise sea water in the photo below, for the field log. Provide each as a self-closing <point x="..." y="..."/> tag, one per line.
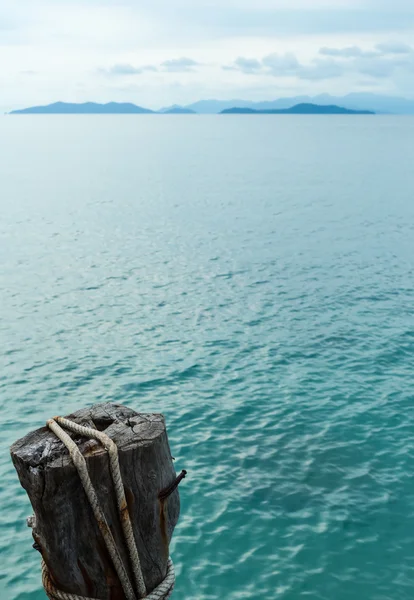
<point x="252" y="279"/>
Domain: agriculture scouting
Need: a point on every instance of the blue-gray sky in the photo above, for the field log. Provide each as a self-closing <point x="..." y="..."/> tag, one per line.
<point x="160" y="52"/>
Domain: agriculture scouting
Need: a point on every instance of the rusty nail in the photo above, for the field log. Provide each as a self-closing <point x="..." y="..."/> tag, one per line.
<point x="163" y="495"/>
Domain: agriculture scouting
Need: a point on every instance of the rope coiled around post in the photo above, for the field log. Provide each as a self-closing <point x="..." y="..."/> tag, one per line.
<point x="162" y="592"/>
<point x="165" y="588"/>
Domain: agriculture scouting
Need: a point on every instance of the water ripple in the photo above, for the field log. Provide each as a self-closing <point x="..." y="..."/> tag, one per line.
<point x="264" y="307"/>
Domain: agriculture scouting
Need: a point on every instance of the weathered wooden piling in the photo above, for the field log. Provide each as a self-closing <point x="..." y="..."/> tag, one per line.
<point x="65" y="530"/>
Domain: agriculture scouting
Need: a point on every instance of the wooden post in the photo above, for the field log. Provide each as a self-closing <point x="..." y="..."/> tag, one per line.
<point x="64" y="528"/>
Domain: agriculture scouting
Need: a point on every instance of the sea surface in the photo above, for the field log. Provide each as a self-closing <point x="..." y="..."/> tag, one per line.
<point x="252" y="278"/>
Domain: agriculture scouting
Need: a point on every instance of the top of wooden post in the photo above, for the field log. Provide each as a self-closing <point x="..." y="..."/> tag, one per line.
<point x="66" y="533"/>
<point x="42" y="449"/>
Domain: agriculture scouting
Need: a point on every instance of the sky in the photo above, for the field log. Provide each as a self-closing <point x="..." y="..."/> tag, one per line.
<point x="161" y="52"/>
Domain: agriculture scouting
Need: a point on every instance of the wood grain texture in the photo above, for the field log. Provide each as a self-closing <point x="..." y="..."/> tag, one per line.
<point x="65" y="529"/>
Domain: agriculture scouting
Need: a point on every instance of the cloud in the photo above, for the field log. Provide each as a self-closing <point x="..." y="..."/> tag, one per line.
<point x="287" y="65"/>
<point x="177" y="65"/>
<point x="357" y="52"/>
<point x="273" y="64"/>
<point x="394" y="48"/>
<point x="123" y="69"/>
<point x="380" y="67"/>
<point x="381" y="63"/>
<point x="376" y="69"/>
<point x="281" y="64"/>
<point x="332" y="63"/>
<point x="349" y="52"/>
<point x="247" y="65"/>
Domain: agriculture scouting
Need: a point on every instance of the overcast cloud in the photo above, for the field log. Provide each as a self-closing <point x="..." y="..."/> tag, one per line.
<point x="161" y="52"/>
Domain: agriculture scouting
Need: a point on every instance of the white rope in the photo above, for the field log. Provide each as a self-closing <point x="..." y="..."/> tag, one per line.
<point x="162" y="592"/>
<point x="165" y="588"/>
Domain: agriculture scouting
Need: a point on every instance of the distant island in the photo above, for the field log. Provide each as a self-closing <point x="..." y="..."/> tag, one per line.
<point x="127" y="108"/>
<point x="298" y="109"/>
<point x="87" y="108"/>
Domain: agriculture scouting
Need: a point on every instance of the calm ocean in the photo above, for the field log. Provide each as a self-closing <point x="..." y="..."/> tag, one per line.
<point x="252" y="278"/>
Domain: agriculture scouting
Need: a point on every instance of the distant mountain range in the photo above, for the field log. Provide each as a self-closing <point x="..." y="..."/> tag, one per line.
<point x="357" y="102"/>
<point x="88" y="108"/>
<point x="177" y="110"/>
<point x="298" y="109"/>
